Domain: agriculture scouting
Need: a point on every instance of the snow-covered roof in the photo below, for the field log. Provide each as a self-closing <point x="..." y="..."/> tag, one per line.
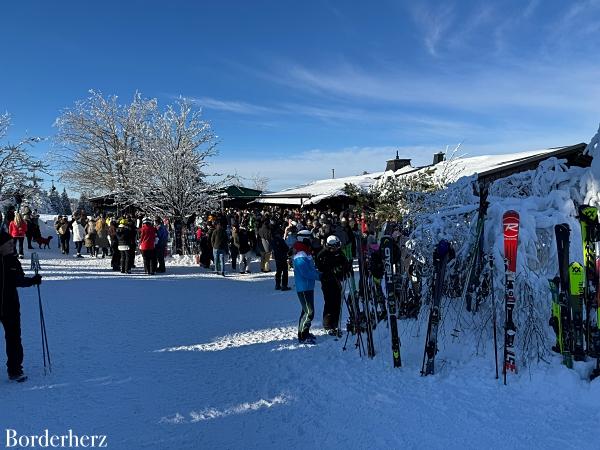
<point x="471" y="165"/>
<point x="317" y="191"/>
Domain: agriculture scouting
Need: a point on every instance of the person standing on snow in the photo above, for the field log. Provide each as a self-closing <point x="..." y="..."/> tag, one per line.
<point x="10" y="308"/>
<point x="90" y="238"/>
<point x="280" y="254"/>
<point x="163" y="238"/>
<point x="334" y="267"/>
<point x="17" y="229"/>
<point x="64" y="231"/>
<point x="266" y="236"/>
<point x="115" y="259"/>
<point x="147" y="245"/>
<point x="124" y="240"/>
<point x="78" y="235"/>
<point x="305" y="274"/>
<point x="244" y="248"/>
<point x="220" y="244"/>
<point x="101" y="237"/>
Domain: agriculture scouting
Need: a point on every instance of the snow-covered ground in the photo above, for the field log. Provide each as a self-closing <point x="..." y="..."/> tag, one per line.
<point x="192" y="360"/>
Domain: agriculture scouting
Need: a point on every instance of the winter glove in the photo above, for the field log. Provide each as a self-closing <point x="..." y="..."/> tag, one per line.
<point x="36" y="280"/>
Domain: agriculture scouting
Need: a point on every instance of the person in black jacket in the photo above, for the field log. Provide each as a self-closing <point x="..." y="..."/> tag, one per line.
<point x="244" y="246"/>
<point x="280" y="254"/>
<point x="10" y="308"/>
<point x="234" y="249"/>
<point x="334" y="266"/>
<point x="220" y="245"/>
<point x="206" y="252"/>
<point x="124" y="242"/>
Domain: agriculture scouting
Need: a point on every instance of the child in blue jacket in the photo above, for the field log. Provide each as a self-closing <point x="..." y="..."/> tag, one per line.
<point x="305" y="275"/>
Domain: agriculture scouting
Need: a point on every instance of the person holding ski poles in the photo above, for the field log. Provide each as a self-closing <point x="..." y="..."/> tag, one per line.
<point x="10" y="308"/>
<point x="305" y="275"/>
<point x="334" y="267"/>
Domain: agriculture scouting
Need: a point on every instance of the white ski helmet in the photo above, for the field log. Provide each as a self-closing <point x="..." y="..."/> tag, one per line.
<point x="333" y="242"/>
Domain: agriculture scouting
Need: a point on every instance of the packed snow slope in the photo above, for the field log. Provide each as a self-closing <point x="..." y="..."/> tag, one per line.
<point x="192" y="360"/>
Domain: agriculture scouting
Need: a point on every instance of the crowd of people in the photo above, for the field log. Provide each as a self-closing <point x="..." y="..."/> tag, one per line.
<point x="116" y="237"/>
<point x="21" y="225"/>
<point x="315" y="245"/>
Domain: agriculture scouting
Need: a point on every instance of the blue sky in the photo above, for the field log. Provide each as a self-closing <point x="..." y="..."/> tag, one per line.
<point x="294" y="89"/>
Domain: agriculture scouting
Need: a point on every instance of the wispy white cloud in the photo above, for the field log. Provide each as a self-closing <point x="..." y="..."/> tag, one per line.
<point x="341" y="113"/>
<point x="530" y="8"/>
<point x="520" y="85"/>
<point x="435" y="22"/>
<point x="232" y="106"/>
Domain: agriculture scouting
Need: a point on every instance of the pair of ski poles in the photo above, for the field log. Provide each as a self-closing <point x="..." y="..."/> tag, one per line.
<point x="35" y="266"/>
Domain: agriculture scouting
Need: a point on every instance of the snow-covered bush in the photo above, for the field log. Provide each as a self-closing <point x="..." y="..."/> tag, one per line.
<point x="544" y="197"/>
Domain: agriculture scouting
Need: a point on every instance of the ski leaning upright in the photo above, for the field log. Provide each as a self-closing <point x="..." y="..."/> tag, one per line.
<point x="387" y="245"/>
<point x="510" y="224"/>
<point x="590" y="236"/>
<point x="565" y="324"/>
<point x="576" y="288"/>
<point x="364" y="294"/>
<point x="475" y="261"/>
<point x="441" y="255"/>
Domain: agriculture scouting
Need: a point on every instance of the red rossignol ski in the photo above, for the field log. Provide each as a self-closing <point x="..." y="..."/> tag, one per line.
<point x="510" y="224"/>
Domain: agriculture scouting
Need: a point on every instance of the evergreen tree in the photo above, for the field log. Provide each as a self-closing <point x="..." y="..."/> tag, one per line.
<point x="84" y="205"/>
<point x="56" y="206"/>
<point x="40" y="202"/>
<point x="66" y="203"/>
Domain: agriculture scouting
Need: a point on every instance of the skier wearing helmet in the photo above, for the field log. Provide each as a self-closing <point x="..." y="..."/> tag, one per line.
<point x="333" y="266"/>
<point x="305" y="274"/>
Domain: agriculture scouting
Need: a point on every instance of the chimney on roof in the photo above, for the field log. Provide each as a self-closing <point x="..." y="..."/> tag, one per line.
<point x="397" y="163"/>
<point x="438" y="157"/>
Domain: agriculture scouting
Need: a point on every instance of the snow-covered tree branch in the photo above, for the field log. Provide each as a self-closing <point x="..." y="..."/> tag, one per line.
<point x="154" y="159"/>
<point x="170" y="172"/>
<point x="17" y="166"/>
<point x="98" y="139"/>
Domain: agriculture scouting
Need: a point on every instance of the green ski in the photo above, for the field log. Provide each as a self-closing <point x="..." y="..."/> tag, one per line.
<point x="576" y="284"/>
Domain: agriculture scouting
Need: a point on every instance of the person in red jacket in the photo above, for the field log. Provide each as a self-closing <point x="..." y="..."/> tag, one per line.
<point x="17" y="229"/>
<point x="147" y="245"/>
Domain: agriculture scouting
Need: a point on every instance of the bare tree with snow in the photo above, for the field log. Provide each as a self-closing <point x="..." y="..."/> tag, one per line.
<point x="259" y="182"/>
<point x="98" y="141"/>
<point x="17" y="166"/>
<point x="170" y="173"/>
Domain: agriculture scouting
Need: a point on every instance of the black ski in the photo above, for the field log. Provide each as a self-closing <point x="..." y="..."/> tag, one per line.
<point x="441" y="255"/>
<point x="364" y="294"/>
<point x="387" y="248"/>
<point x="563" y="232"/>
<point x="475" y="263"/>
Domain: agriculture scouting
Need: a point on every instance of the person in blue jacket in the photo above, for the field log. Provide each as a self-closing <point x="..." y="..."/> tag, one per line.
<point x="305" y="275"/>
<point x="162" y="235"/>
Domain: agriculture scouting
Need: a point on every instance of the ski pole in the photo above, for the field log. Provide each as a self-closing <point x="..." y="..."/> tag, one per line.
<point x="35" y="266"/>
<point x="491" y="261"/>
